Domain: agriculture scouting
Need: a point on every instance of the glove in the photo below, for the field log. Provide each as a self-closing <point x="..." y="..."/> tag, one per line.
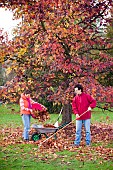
<point x="31" y="110"/>
<point x="89" y="108"/>
<point x="77" y="116"/>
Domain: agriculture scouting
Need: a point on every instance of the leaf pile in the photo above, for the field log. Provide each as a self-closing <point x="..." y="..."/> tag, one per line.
<point x="49" y="126"/>
<point x="102" y="142"/>
<point x="42" y="115"/>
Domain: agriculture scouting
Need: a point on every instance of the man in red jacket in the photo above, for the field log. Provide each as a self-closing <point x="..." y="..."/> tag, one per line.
<point x="82" y="104"/>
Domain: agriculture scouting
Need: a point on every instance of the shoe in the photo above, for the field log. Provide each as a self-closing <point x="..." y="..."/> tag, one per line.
<point x="26" y="140"/>
<point x="88" y="145"/>
<point x="74" y="145"/>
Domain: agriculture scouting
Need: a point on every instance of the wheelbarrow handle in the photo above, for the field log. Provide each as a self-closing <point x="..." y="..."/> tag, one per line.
<point x="59" y="113"/>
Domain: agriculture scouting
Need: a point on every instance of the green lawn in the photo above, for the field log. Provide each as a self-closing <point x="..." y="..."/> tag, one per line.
<point x="16" y="155"/>
<point x="9" y="116"/>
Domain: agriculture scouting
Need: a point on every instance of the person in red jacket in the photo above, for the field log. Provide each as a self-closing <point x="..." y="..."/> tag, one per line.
<point x="25" y="111"/>
<point x="81" y="105"/>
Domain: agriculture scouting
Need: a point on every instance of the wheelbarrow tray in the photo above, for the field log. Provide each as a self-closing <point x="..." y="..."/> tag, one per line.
<point x="40" y="129"/>
<point x="44" y="129"/>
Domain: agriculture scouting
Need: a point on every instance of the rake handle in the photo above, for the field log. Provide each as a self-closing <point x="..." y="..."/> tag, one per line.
<point x="81" y="114"/>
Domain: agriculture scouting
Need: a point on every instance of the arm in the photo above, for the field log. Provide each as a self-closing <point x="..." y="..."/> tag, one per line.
<point x="22" y="105"/>
<point x="40" y="105"/>
<point x="32" y="101"/>
<point x="74" y="107"/>
<point x="92" y="102"/>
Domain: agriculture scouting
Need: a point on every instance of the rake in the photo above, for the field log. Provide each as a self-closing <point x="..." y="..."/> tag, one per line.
<point x="63" y="127"/>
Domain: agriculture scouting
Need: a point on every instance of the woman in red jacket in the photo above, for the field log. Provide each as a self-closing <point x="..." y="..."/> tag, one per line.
<point x="25" y="111"/>
<point x="82" y="103"/>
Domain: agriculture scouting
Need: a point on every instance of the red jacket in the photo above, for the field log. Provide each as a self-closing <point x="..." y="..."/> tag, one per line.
<point x="81" y="103"/>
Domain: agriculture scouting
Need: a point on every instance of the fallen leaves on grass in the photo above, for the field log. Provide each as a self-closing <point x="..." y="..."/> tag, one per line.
<point x="102" y="138"/>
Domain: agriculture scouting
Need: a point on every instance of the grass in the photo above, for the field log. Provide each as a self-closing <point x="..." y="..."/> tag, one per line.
<point x="9" y="116"/>
<point x="21" y="156"/>
<point x="101" y="116"/>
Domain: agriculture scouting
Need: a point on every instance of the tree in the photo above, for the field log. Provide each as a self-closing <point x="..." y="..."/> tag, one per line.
<point x="3" y="52"/>
<point x="106" y="78"/>
<point x="59" y="45"/>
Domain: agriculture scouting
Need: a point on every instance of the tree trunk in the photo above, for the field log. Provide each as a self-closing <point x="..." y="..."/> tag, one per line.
<point x="67" y="113"/>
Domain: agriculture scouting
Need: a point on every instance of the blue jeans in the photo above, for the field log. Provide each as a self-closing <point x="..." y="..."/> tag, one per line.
<point x="79" y="129"/>
<point x="26" y="121"/>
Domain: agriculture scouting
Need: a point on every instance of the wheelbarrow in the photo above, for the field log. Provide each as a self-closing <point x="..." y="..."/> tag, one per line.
<point x="40" y="129"/>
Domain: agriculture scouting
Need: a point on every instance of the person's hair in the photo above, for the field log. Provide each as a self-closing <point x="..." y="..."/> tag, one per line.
<point x="27" y="91"/>
<point x="79" y="86"/>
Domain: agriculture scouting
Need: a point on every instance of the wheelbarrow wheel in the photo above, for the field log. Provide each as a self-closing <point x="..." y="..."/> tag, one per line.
<point x="36" y="136"/>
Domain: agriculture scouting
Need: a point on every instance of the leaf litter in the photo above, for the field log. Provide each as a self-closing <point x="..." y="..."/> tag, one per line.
<point x="102" y="143"/>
